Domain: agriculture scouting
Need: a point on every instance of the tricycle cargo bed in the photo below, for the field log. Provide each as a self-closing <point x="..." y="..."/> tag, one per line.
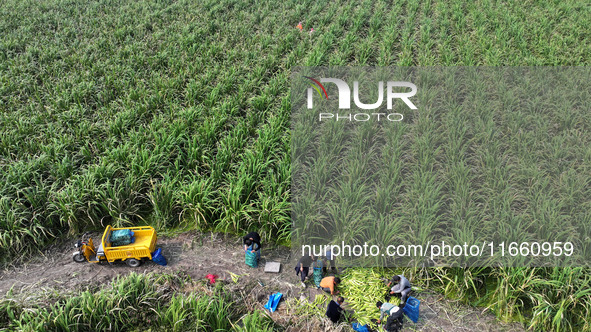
<point x="143" y="246"/>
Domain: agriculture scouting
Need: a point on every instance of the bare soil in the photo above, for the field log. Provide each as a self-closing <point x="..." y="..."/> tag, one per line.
<point x="199" y="254"/>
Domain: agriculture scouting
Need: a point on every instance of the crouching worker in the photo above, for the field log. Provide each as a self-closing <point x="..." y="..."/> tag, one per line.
<point x="401" y="288"/>
<point x="395" y="320"/>
<point x="334" y="309"/>
<point x="386" y="309"/>
<point x="252" y="248"/>
<point x="329" y="284"/>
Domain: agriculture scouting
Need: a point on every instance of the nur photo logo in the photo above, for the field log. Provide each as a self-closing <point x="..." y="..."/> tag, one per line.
<point x="388" y="90"/>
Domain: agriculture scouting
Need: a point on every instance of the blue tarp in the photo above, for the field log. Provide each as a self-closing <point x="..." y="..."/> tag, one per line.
<point x="122" y="237"/>
<point x="158" y="258"/>
<point x="273" y="301"/>
<point x="359" y="328"/>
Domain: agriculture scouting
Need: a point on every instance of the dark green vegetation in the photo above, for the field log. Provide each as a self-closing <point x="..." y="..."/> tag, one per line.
<point x="486" y="158"/>
<point x="176" y="114"/>
<point x="136" y="303"/>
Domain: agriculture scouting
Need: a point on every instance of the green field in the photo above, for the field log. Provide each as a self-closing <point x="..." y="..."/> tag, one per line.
<point x="177" y="114"/>
<point x="485" y="158"/>
<point x="136" y="303"/>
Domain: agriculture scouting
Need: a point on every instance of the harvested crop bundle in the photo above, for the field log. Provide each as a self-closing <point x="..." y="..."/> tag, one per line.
<point x="362" y="288"/>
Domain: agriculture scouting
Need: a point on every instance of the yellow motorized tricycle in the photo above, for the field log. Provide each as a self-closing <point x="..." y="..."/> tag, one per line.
<point x="142" y="248"/>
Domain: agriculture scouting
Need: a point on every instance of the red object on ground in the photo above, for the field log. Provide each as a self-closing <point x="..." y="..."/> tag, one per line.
<point x="212" y="278"/>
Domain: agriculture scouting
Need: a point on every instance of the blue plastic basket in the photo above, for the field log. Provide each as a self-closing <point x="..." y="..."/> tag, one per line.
<point x="411" y="309"/>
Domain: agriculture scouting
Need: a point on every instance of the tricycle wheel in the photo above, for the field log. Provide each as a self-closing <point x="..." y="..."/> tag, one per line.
<point x="79" y="258"/>
<point x="133" y="262"/>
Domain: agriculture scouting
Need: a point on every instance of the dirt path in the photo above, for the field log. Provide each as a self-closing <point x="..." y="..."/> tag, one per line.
<point x="199" y="254"/>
